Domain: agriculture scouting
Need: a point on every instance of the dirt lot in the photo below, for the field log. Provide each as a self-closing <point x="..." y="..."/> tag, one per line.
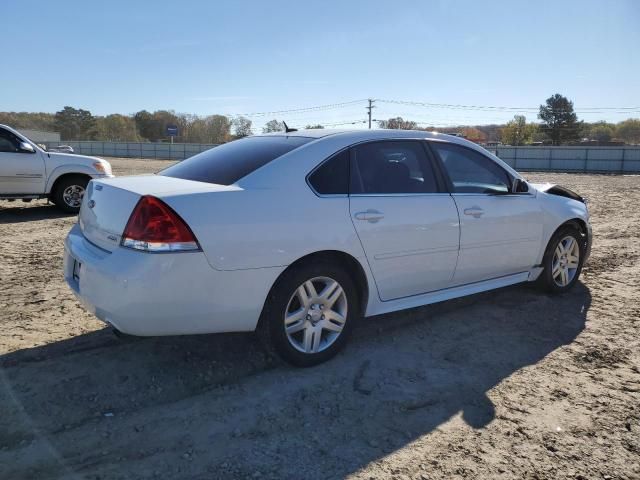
<point x="509" y="384"/>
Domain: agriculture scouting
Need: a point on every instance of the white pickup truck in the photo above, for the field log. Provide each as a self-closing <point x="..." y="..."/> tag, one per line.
<point x="28" y="172"/>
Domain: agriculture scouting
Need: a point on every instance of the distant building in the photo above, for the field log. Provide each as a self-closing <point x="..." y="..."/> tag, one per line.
<point x="38" y="136"/>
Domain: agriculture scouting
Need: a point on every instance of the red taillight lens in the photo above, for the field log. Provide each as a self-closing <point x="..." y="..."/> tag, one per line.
<point x="154" y="227"/>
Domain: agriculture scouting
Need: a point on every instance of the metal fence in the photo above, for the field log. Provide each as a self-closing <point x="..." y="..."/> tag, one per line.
<point x="572" y="159"/>
<point x="559" y="159"/>
<point x="161" y="151"/>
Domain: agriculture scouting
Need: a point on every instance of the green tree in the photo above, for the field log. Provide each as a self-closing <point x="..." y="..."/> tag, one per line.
<point x="600" y="131"/>
<point x="153" y="126"/>
<point x="116" y="128"/>
<point x="517" y="131"/>
<point x="273" y="126"/>
<point x="311" y="127"/>
<point x="398" y="123"/>
<point x="211" y="129"/>
<point x="218" y="128"/>
<point x="629" y="131"/>
<point x="559" y="121"/>
<point x="33" y="121"/>
<point x="241" y="127"/>
<point x="75" y="124"/>
<point x="146" y="125"/>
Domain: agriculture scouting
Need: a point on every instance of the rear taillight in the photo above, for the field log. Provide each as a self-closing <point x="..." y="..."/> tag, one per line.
<point x="154" y="227"/>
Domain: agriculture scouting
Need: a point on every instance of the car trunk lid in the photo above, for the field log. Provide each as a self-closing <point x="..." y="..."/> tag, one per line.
<point x="108" y="203"/>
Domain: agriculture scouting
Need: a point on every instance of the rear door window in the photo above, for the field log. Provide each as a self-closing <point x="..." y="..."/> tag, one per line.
<point x="391" y="167"/>
<point x="228" y="163"/>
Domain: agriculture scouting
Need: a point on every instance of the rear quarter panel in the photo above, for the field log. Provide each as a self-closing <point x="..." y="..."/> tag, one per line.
<point x="267" y="227"/>
<point x="273" y="218"/>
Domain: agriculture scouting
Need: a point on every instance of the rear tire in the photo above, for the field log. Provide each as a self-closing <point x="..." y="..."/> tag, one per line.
<point x="68" y="192"/>
<point x="309" y="314"/>
<point x="563" y="260"/>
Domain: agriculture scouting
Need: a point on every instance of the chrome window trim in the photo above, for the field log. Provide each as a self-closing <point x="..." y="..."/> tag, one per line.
<point x="523" y="194"/>
<point x="328" y="195"/>
<point x="438" y="194"/>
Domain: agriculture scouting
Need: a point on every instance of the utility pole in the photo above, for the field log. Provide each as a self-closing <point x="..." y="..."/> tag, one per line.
<point x="369" y="108"/>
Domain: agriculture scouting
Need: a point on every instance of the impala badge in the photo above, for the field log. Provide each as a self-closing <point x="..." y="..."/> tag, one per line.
<point x="91" y="204"/>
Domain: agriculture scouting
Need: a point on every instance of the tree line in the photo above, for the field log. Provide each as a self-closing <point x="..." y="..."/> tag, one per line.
<point x="143" y="126"/>
<point x="559" y="125"/>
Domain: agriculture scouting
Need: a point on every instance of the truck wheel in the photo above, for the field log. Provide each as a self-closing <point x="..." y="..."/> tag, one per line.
<point x="68" y="193"/>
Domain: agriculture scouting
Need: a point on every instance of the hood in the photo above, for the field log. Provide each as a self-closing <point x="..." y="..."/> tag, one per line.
<point x="73" y="158"/>
<point x="541" y="187"/>
<point x="84" y="163"/>
<point x="559" y="190"/>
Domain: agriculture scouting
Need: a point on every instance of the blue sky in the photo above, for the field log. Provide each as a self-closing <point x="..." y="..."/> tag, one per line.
<point x="209" y="57"/>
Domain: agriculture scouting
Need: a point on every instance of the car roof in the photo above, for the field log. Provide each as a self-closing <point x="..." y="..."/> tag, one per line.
<point x="363" y="135"/>
<point x="356" y="136"/>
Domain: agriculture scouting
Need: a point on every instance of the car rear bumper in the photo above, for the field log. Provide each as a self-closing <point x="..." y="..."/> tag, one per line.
<point x="164" y="294"/>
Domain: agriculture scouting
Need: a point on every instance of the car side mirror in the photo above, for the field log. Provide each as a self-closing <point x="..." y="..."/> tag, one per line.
<point x="519" y="186"/>
<point x="26" y="147"/>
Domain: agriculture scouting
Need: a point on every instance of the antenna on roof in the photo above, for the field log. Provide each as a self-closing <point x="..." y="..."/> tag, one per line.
<point x="287" y="129"/>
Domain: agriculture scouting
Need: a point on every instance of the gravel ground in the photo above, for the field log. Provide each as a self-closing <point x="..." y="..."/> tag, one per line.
<point x="508" y="384"/>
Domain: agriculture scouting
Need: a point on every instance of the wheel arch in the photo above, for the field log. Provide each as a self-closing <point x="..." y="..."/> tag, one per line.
<point x="584" y="229"/>
<point x="575" y="222"/>
<point x="55" y="182"/>
<point x="353" y="267"/>
<point x="578" y="222"/>
<point x="65" y="171"/>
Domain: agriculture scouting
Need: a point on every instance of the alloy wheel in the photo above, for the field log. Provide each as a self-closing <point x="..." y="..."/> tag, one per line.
<point x="72" y="196"/>
<point x="315" y="315"/>
<point x="566" y="260"/>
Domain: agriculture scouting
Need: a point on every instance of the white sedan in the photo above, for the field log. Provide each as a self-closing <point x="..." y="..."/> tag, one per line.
<point x="300" y="234"/>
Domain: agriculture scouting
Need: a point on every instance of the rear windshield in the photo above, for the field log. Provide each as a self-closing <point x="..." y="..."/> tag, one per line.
<point x="231" y="161"/>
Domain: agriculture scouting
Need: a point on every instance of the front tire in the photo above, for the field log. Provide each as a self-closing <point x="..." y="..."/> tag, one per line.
<point x="563" y="260"/>
<point x="310" y="313"/>
<point x="68" y="193"/>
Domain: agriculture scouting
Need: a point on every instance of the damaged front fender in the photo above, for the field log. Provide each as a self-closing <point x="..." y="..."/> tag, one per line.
<point x="559" y="190"/>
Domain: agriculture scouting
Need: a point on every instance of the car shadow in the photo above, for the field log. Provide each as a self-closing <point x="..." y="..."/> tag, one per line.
<point x="220" y="406"/>
<point x="27" y="212"/>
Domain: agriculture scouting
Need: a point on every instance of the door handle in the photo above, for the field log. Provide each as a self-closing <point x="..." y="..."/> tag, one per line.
<point x="370" y="215"/>
<point x="475" y="212"/>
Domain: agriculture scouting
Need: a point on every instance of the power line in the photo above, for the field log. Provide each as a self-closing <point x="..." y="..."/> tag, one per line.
<point x="355" y="122"/>
<point x="437" y="122"/>
<point x="304" y="109"/>
<point x="478" y="108"/>
<point x="503" y="108"/>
